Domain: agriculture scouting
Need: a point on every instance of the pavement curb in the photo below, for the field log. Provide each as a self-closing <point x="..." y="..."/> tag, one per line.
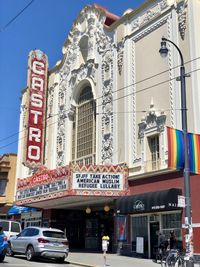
<point x="81" y="264"/>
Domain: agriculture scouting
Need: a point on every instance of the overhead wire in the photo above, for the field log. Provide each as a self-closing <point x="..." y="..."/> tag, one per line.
<point x="125" y="87"/>
<point x="149" y="87"/>
<point x="113" y="100"/>
<point x="153" y="76"/>
<point x="16" y="16"/>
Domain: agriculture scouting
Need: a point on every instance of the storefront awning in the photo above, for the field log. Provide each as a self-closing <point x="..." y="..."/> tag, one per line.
<point x="20" y="209"/>
<point x="149" y="202"/>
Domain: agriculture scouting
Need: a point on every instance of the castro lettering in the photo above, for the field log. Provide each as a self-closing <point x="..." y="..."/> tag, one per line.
<point x="36" y="117"/>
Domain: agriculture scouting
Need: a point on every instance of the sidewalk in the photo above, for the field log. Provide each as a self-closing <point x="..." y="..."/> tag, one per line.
<point x="113" y="260"/>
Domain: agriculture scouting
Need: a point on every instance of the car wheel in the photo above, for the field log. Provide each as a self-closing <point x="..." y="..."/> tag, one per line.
<point x="30" y="253"/>
<point x="9" y="251"/>
<point x="2" y="257"/>
<point x="60" y="260"/>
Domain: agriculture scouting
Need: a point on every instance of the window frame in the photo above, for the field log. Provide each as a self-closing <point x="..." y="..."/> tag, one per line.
<point x="84" y="147"/>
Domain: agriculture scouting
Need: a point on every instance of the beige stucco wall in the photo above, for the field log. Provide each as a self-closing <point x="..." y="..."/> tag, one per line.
<point x="148" y="63"/>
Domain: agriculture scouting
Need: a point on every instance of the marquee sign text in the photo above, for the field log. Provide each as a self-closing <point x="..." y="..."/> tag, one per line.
<point x="43" y="189"/>
<point x="98" y="181"/>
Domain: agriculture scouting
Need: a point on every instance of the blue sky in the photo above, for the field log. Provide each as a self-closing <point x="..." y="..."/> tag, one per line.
<point x="43" y="25"/>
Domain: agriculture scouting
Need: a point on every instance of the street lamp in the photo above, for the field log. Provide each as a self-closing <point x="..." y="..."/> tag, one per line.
<point x="188" y="214"/>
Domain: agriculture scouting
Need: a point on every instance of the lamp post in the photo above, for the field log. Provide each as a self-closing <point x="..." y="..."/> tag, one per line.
<point x="188" y="214"/>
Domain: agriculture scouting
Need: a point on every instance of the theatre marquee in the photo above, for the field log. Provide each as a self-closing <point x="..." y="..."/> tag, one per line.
<point x="73" y="180"/>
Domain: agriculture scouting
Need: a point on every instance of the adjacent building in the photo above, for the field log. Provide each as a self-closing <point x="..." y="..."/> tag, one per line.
<point x="7" y="183"/>
<point x="93" y="152"/>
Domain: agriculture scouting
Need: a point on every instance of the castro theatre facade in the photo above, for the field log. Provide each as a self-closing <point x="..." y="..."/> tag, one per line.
<point x="92" y="152"/>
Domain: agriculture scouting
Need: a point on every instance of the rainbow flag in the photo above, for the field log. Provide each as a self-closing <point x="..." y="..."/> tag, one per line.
<point x="194" y="152"/>
<point x="175" y="148"/>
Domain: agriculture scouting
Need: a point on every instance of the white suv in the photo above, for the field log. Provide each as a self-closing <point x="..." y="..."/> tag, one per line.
<point x="38" y="241"/>
<point x="10" y="228"/>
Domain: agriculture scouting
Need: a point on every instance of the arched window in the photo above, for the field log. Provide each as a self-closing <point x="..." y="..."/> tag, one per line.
<point x="84" y="129"/>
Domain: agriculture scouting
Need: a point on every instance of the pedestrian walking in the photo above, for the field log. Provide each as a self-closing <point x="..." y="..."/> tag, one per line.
<point x="172" y="240"/>
<point x="105" y="244"/>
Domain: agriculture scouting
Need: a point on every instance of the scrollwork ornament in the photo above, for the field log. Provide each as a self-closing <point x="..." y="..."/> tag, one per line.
<point x="142" y="127"/>
<point x="182" y="15"/>
<point x="135" y="24"/>
<point x="163" y="5"/>
<point x="120" y="58"/>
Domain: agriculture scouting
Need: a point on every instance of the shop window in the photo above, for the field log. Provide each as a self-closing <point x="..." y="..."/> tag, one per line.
<point x="84" y="129"/>
<point x="172" y="222"/>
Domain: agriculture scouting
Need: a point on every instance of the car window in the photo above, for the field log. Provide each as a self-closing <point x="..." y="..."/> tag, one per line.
<point x="33" y="232"/>
<point x="25" y="232"/>
<point x="4" y="225"/>
<point x="54" y="234"/>
<point x="36" y="232"/>
<point x="15" y="227"/>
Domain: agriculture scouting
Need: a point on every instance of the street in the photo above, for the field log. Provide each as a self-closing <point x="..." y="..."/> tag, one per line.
<point x="83" y="259"/>
<point x="20" y="261"/>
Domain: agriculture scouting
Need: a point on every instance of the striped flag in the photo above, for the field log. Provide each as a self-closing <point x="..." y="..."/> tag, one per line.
<point x="194" y="152"/>
<point x="175" y="148"/>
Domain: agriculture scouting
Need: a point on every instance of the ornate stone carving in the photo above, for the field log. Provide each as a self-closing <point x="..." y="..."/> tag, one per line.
<point x="120" y="56"/>
<point x="107" y="107"/>
<point x="171" y="80"/>
<point x="149" y="15"/>
<point x="132" y="81"/>
<point x="104" y="42"/>
<point x="163" y="5"/>
<point x="107" y="87"/>
<point x="66" y="68"/>
<point x="182" y="14"/>
<point x="71" y="113"/>
<point x="23" y="111"/>
<point x="135" y="24"/>
<point x="90" y="24"/>
<point x="62" y="115"/>
<point x="151" y="28"/>
<point x="153" y="121"/>
<point x="87" y="70"/>
<point x="142" y="126"/>
<point x="61" y="139"/>
<point x="50" y="100"/>
<point x="107" y="147"/>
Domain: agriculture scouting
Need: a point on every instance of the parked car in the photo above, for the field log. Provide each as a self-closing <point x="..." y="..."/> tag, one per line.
<point x="38" y="241"/>
<point x="10" y="227"/>
<point x="3" y="244"/>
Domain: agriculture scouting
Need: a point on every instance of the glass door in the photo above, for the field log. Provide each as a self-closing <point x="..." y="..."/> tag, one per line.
<point x="154" y="230"/>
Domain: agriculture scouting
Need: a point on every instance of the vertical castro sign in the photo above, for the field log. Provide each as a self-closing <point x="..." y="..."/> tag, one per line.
<point x="37" y="83"/>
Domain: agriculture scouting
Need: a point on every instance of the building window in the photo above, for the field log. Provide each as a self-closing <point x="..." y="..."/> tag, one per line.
<point x="172" y="222"/>
<point x="3" y="183"/>
<point x="84" y="129"/>
<point x="154" y="152"/>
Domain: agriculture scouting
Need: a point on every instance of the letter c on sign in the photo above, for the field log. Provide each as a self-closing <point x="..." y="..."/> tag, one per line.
<point x="38" y="67"/>
<point x="34" y="152"/>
